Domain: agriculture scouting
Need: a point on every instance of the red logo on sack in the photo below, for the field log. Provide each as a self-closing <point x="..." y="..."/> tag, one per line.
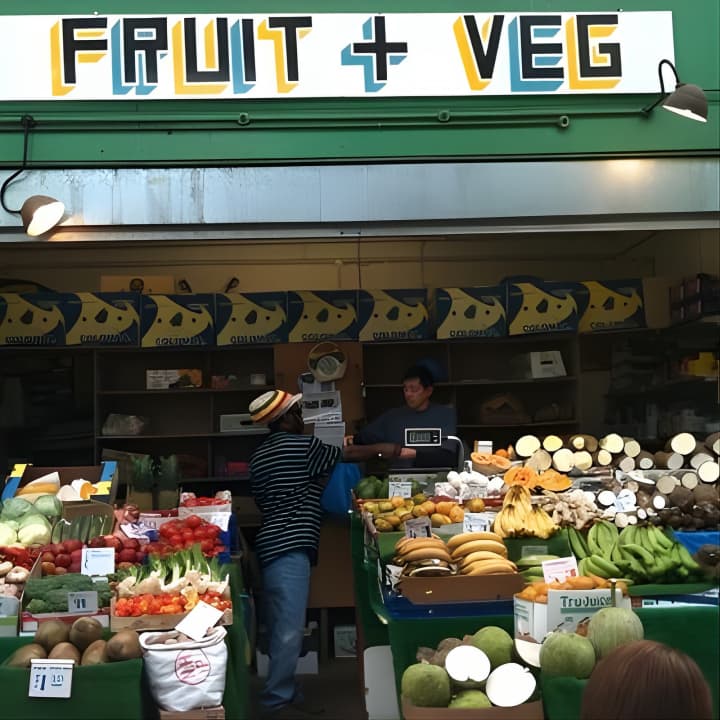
<point x="192" y="667"/>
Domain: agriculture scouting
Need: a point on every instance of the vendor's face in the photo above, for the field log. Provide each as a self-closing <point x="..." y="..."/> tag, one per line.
<point x="417" y="397"/>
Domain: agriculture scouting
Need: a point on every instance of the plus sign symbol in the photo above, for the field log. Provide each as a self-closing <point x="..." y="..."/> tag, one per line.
<point x="374" y="54"/>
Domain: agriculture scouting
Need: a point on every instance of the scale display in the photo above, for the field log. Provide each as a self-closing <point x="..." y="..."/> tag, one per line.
<point x="423" y="437"/>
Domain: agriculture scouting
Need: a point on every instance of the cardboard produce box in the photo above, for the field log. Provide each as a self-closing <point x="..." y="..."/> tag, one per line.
<point x="611" y="305"/>
<point x="470" y="312"/>
<point x="536" y="306"/>
<point x="249" y="318"/>
<point x="327" y="315"/>
<point x="460" y="588"/>
<point x="31" y="319"/>
<point x="565" y="609"/>
<point x="393" y="315"/>
<point x="155" y="622"/>
<point x="102" y="319"/>
<point x="177" y="320"/>
<point x="106" y="473"/>
<point x="526" y="711"/>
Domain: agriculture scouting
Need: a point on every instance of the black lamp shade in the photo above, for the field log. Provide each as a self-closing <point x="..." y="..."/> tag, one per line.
<point x="689" y="101"/>
<point x="41" y="213"/>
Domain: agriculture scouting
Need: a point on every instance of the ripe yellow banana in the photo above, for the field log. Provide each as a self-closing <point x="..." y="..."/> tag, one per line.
<point x="489" y="567"/>
<point x="408" y="543"/>
<point x="476" y="545"/>
<point x="427" y="553"/>
<point x="457" y="540"/>
<point x="480" y="556"/>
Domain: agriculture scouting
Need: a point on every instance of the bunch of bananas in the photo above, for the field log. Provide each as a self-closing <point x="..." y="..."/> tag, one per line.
<point x="518" y="517"/>
<point x="423" y="556"/>
<point x="480" y="553"/>
<point x="640" y="554"/>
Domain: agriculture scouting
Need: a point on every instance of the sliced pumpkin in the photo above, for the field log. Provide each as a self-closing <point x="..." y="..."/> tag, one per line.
<point x="554" y="481"/>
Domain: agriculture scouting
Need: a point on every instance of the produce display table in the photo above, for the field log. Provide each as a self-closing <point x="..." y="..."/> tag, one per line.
<point x="388" y="619"/>
<point x="118" y="691"/>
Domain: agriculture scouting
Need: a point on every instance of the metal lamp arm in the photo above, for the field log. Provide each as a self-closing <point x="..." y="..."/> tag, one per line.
<point x="27" y="123"/>
<point x="647" y="110"/>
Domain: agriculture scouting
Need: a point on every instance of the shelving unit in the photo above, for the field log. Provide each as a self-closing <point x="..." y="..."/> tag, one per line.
<point x="181" y="421"/>
<point x="478" y="371"/>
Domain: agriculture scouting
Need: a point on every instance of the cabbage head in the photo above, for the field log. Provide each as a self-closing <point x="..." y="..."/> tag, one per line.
<point x="49" y="506"/>
<point x="14" y="508"/>
<point x="8" y="536"/>
<point x="34" y="530"/>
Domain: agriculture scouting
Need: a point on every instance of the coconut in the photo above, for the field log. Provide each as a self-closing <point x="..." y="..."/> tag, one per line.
<point x="566" y="653"/>
<point x="467" y="665"/>
<point x="496" y="643"/>
<point x="509" y="685"/>
<point x="470" y="699"/>
<point x="426" y="685"/>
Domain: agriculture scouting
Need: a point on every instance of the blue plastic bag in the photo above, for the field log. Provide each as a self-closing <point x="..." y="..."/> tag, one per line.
<point x="336" y="496"/>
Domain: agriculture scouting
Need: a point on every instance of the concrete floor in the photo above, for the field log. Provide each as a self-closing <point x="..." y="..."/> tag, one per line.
<point x="337" y="687"/>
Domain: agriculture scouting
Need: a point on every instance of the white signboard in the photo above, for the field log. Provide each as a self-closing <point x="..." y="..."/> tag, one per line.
<point x="207" y="56"/>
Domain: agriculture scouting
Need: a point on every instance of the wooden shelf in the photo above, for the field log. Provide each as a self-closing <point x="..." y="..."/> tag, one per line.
<point x="521" y="425"/>
<point x="180" y="435"/>
<point x="472" y="383"/>
<point x="670" y="385"/>
<point x="189" y="391"/>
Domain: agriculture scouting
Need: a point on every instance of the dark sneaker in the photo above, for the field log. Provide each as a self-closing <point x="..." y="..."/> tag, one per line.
<point x="300" y="710"/>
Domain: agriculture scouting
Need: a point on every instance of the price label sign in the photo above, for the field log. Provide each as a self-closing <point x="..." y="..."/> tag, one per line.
<point x="51" y="678"/>
<point x="97" y="561"/>
<point x="418" y="527"/>
<point x="560" y="569"/>
<point x="475" y="490"/>
<point x="399" y="488"/>
<point x="478" y="522"/>
<point x="83" y="602"/>
<point x="625" y="501"/>
<point x="196" y="623"/>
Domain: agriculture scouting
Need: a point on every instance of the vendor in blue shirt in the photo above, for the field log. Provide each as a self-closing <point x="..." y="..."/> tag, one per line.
<point x="418" y="412"/>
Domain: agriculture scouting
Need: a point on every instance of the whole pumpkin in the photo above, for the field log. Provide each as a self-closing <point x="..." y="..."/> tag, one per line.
<point x="611" y="627"/>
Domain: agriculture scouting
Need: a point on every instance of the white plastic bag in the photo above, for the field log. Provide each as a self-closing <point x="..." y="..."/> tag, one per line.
<point x="187" y="675"/>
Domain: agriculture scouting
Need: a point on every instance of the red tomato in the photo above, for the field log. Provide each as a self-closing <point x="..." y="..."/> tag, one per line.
<point x="176" y="540"/>
<point x="188" y="534"/>
<point x="207" y="546"/>
<point x="193" y="521"/>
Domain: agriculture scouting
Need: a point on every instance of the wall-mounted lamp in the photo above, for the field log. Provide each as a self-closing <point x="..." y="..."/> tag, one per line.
<point x="39" y="213"/>
<point x="687" y="100"/>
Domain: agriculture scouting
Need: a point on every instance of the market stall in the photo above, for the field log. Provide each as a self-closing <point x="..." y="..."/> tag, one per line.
<point x="100" y="604"/>
<point x="670" y="587"/>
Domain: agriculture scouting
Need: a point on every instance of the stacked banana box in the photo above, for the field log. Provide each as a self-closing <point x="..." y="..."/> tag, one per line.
<point x="470" y="566"/>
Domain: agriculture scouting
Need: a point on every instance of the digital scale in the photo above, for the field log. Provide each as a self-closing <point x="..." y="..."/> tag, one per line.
<point x="423" y="437"/>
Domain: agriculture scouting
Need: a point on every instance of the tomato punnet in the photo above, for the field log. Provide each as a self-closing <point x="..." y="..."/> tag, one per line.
<point x="193" y="521"/>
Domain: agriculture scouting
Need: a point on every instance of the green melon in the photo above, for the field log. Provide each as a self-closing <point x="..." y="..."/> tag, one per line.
<point x="569" y="654"/>
<point x="426" y="685"/>
<point x="611" y="627"/>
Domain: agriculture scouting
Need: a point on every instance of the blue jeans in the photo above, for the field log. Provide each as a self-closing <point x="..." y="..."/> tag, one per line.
<point x="286" y="584"/>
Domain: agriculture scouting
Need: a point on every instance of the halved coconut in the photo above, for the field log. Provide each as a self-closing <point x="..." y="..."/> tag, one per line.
<point x="529" y="652"/>
<point x="509" y="685"/>
<point x="466" y="663"/>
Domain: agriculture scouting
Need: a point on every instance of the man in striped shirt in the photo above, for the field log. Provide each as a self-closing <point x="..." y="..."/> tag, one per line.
<point x="288" y="473"/>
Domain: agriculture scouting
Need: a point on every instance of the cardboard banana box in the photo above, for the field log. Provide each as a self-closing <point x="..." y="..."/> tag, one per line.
<point x="177" y="320"/>
<point x="611" y="305"/>
<point x="328" y="315"/>
<point x="470" y="312"/>
<point x="100" y="319"/>
<point x="537" y="306"/>
<point x="460" y="588"/>
<point x="32" y="319"/>
<point x="393" y="315"/>
<point x="249" y="318"/>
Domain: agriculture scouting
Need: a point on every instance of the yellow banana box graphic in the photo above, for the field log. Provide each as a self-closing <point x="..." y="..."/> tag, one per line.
<point x="323" y="315"/>
<point x="177" y="320"/>
<point x="31" y="319"/>
<point x="537" y="306"/>
<point x="470" y="312"/>
<point x="248" y="318"/>
<point x="102" y="319"/>
<point x="392" y="315"/>
<point x="611" y="305"/>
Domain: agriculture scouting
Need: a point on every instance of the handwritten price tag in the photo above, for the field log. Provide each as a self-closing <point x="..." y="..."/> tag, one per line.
<point x="399" y="488"/>
<point x="83" y="602"/>
<point x="8" y="606"/>
<point x="478" y="522"/>
<point x="560" y="569"/>
<point x="97" y="561"/>
<point x="418" y="527"/>
<point x="51" y="678"/>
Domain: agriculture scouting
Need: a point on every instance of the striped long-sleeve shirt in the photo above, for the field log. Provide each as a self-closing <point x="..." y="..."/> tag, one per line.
<point x="287" y="473"/>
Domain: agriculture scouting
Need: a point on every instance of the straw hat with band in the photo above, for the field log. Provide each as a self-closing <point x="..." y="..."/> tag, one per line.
<point x="272" y="405"/>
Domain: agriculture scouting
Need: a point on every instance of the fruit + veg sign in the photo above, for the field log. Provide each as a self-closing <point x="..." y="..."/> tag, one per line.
<point x="331" y="55"/>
